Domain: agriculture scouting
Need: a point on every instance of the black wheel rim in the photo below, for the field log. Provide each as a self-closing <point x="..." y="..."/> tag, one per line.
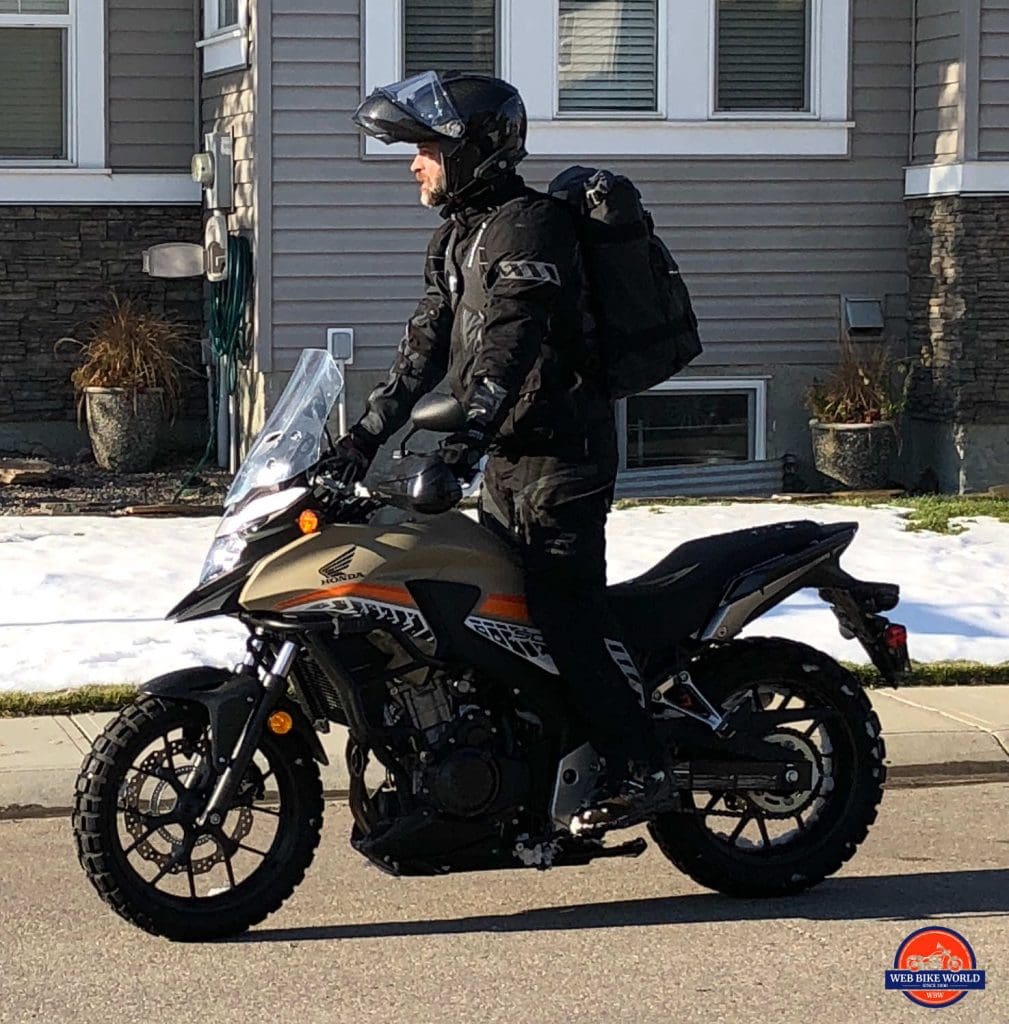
<point x="162" y="786"/>
<point x="755" y="827"/>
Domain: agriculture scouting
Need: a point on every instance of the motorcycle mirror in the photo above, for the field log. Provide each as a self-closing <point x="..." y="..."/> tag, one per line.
<point x="440" y="413"/>
<point x="403" y="451"/>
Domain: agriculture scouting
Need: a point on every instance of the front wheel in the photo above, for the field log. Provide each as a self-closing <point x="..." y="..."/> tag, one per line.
<point x="754" y="844"/>
<point x="139" y="794"/>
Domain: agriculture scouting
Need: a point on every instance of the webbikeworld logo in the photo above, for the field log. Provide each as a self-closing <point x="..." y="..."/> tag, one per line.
<point x="336" y="571"/>
<point x="935" y="967"/>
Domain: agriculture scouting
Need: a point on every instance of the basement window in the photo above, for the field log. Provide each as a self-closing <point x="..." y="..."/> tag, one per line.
<point x="695" y="422"/>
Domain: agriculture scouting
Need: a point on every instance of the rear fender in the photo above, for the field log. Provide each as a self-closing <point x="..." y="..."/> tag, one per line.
<point x="760" y="588"/>
<point x="230" y="698"/>
<point x="858" y="605"/>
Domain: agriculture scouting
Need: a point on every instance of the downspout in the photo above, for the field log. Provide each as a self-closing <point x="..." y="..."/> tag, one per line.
<point x="914" y="79"/>
<point x="197" y="77"/>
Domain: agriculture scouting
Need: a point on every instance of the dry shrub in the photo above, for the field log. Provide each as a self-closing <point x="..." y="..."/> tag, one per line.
<point x="129" y="347"/>
<point x="867" y="386"/>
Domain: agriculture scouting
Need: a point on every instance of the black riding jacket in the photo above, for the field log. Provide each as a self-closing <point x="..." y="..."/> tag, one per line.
<point x="504" y="318"/>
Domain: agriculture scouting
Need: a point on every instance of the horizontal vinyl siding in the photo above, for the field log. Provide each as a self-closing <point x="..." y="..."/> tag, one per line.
<point x="739" y="479"/>
<point x="229" y="104"/>
<point x="766" y="246"/>
<point x="152" y="62"/>
<point x="937" y="81"/>
<point x="993" y="132"/>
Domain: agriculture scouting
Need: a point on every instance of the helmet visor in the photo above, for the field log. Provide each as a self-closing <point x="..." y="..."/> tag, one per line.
<point x="415" y="110"/>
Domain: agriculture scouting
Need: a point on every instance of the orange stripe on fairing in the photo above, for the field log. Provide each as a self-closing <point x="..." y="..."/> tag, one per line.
<point x="394" y="595"/>
<point x="505" y="606"/>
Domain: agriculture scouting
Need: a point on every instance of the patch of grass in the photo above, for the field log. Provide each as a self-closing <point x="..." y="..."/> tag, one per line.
<point x="626" y="503"/>
<point x="79" y="701"/>
<point x="933" y="512"/>
<point x="112" y="698"/>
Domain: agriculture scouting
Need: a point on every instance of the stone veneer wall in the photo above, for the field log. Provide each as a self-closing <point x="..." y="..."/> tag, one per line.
<point x="57" y="267"/>
<point x="958" y="311"/>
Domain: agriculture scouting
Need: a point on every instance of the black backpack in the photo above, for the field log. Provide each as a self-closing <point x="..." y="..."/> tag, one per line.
<point x="646" y="330"/>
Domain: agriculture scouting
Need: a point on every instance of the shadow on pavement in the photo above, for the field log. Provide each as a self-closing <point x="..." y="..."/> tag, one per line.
<point x="876" y="897"/>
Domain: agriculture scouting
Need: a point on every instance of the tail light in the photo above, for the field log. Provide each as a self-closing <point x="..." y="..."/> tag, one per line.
<point x="895" y="636"/>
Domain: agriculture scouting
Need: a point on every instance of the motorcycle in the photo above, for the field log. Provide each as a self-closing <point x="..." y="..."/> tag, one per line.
<point x="941" y="960"/>
<point x="200" y="807"/>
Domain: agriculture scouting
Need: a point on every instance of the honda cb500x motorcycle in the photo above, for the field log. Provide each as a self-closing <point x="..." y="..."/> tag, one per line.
<point x="199" y="808"/>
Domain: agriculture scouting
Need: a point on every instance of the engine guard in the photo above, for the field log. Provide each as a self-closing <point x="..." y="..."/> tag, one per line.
<point x="230" y="698"/>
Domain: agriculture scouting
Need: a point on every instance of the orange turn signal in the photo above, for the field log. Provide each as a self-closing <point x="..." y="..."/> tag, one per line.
<point x="281" y="723"/>
<point x="308" y="521"/>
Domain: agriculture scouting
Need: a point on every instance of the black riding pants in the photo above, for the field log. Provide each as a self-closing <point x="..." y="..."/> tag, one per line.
<point x="554" y="509"/>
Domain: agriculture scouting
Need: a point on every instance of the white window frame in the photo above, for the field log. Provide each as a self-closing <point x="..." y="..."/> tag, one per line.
<point x="818" y="53"/>
<point x="686" y="124"/>
<point x="224" y="47"/>
<point x="757" y="386"/>
<point x="85" y="85"/>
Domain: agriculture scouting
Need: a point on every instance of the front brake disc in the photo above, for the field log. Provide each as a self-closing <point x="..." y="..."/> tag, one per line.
<point x="169" y="789"/>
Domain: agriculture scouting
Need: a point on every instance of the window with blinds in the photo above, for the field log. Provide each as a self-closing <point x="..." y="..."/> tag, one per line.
<point x="608" y="56"/>
<point x="227" y="13"/>
<point x="34" y="6"/>
<point x="763" y="55"/>
<point x="450" y="35"/>
<point x="33" y="71"/>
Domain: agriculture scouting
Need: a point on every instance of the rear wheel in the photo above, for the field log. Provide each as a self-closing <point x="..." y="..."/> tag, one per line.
<point x="138" y="796"/>
<point x="771" y="844"/>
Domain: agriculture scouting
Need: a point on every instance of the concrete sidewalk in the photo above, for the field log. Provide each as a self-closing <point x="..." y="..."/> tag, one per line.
<point x="933" y="735"/>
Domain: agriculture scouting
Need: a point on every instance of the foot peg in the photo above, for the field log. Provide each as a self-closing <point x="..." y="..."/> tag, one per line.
<point x="582" y="851"/>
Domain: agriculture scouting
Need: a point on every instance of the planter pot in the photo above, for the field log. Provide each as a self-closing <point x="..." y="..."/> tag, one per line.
<point x="859" y="455"/>
<point x="124" y="427"/>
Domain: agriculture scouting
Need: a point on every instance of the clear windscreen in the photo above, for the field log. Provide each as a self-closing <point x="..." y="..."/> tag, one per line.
<point x="291" y="441"/>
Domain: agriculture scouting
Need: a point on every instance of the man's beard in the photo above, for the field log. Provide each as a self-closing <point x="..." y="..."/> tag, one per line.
<point x="434" y="194"/>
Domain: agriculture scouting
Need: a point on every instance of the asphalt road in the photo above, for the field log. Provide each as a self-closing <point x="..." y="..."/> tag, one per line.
<point x="616" y="941"/>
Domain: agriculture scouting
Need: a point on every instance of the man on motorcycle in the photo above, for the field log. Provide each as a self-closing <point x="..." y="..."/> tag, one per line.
<point x="504" y="317"/>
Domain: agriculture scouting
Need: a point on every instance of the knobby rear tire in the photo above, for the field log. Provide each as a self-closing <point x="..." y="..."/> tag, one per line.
<point x="695" y="851"/>
<point x="228" y="914"/>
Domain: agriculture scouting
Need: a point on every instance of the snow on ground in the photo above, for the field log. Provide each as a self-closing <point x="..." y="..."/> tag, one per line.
<point x="82" y="600"/>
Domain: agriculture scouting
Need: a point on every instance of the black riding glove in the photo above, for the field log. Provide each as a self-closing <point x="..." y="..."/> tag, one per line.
<point x="462" y="452"/>
<point x="352" y="455"/>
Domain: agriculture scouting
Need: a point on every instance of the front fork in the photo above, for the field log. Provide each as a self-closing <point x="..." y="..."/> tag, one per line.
<point x="235" y="767"/>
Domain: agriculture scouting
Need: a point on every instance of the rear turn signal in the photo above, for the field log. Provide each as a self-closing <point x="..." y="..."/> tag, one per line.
<point x="281" y="723"/>
<point x="895" y="637"/>
<point x="308" y="522"/>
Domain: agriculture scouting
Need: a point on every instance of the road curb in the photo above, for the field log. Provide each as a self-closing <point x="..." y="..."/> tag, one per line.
<point x="53" y="789"/>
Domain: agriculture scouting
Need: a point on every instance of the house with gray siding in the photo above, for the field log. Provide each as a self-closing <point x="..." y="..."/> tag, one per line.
<point x="794" y="154"/>
<point x="98" y="122"/>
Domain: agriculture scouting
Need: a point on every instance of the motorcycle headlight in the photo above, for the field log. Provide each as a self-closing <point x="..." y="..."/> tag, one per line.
<point x="238" y="525"/>
<point x="223" y="556"/>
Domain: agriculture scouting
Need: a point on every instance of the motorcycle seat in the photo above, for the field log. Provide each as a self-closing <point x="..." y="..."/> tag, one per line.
<point x="676" y="597"/>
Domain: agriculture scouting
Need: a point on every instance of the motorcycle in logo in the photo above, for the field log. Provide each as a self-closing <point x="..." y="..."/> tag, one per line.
<point x="935" y="967"/>
<point x="941" y="960"/>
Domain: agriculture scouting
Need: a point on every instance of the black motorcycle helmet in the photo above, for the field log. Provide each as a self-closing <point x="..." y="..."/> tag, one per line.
<point x="478" y="121"/>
